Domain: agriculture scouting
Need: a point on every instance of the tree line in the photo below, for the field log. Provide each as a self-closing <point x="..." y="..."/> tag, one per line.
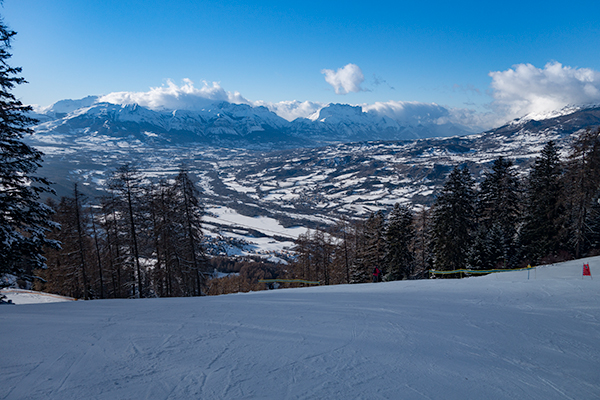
<point x="506" y="222"/>
<point x="144" y="238"/>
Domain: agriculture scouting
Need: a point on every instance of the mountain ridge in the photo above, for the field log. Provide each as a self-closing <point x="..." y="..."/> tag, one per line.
<point x="240" y="125"/>
<point x="300" y="185"/>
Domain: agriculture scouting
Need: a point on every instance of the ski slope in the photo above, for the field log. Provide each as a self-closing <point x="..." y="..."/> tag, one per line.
<point x="21" y="296"/>
<point x="501" y="336"/>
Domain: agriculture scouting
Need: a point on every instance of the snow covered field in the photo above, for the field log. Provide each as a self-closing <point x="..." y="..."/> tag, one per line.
<point x="501" y="336"/>
<point x="20" y="296"/>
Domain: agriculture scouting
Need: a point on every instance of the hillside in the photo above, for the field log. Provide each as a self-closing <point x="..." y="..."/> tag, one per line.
<point x="260" y="197"/>
<point x="502" y="336"/>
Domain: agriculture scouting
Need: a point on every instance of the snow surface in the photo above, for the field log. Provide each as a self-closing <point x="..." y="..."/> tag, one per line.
<point x="22" y="296"/>
<point x="269" y="226"/>
<point x="501" y="336"/>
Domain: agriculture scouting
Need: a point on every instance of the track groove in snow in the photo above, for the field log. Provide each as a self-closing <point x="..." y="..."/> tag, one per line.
<point x="499" y="337"/>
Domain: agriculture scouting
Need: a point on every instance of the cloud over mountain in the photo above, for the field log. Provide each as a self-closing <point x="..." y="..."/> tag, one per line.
<point x="173" y="97"/>
<point x="346" y="79"/>
<point x="415" y="113"/>
<point x="290" y="110"/>
<point x="523" y="90"/>
<point x="526" y="90"/>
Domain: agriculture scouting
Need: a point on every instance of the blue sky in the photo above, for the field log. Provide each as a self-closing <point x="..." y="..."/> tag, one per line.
<point x="433" y="52"/>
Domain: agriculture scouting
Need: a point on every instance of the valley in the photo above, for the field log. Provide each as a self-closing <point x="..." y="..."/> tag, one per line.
<point x="295" y="189"/>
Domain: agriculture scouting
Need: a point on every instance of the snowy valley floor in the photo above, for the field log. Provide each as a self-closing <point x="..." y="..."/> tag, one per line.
<point x="500" y="336"/>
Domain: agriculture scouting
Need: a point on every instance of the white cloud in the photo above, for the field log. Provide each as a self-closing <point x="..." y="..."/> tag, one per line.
<point x="407" y="111"/>
<point x="291" y="110"/>
<point x="173" y="97"/>
<point x="345" y="80"/>
<point x="415" y="113"/>
<point x="527" y="90"/>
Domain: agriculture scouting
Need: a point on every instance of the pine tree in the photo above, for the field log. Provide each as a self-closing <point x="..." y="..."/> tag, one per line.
<point x="453" y="221"/>
<point x="498" y="213"/>
<point x="488" y="250"/>
<point x="593" y="224"/>
<point x="24" y="220"/>
<point x="399" y="234"/>
<point x="360" y="269"/>
<point x="543" y="216"/>
<point x="423" y="243"/>
<point x="582" y="187"/>
<point x="374" y="243"/>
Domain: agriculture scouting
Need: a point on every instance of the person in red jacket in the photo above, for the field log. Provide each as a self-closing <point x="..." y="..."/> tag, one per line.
<point x="376" y="274"/>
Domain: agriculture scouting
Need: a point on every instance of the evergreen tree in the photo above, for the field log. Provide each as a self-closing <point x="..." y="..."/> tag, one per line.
<point x="488" y="250"/>
<point x="543" y="216"/>
<point x="498" y="213"/>
<point x="374" y="243"/>
<point x="24" y="220"/>
<point x="399" y="234"/>
<point x="423" y="243"/>
<point x="453" y="221"/>
<point x="582" y="187"/>
<point x="360" y="269"/>
<point x="593" y="224"/>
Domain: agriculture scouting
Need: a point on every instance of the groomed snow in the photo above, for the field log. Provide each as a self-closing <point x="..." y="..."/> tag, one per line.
<point x="21" y="296"/>
<point x="501" y="336"/>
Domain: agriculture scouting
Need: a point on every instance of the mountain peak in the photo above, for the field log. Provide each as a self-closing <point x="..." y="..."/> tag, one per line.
<point x="337" y="112"/>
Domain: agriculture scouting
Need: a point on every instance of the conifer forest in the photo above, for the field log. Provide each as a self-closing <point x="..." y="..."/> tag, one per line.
<point x="144" y="238"/>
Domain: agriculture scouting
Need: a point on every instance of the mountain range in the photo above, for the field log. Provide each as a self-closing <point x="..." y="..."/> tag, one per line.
<point x="262" y="176"/>
<point x="241" y="125"/>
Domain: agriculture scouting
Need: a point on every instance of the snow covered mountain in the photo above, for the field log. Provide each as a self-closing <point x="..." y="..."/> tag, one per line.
<point x="346" y="123"/>
<point x="259" y="198"/>
<point x="236" y="125"/>
<point x="223" y="124"/>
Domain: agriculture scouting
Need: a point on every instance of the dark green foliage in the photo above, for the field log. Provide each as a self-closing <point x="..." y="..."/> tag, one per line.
<point x="24" y="220"/>
<point x="369" y="248"/>
<point x="360" y="270"/>
<point x="399" y="235"/>
<point x="374" y="241"/>
<point x="453" y="221"/>
<point x="423" y="255"/>
<point x="544" y="213"/>
<point x="593" y="224"/>
<point x="582" y="187"/>
<point x="488" y="250"/>
<point x="498" y="212"/>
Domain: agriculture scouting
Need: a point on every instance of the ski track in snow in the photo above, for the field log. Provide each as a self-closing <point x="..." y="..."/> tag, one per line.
<point x="496" y="337"/>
